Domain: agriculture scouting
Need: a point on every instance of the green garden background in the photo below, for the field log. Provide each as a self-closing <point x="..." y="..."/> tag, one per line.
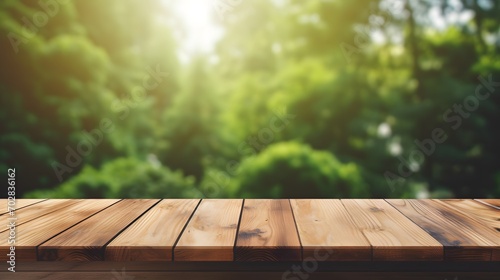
<point x="294" y="98"/>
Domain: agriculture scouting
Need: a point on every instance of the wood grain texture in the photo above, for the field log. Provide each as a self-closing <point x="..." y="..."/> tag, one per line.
<point x="495" y="203"/>
<point x="152" y="237"/>
<point x="488" y="215"/>
<point x="486" y="231"/>
<point x="328" y="232"/>
<point x="391" y="234"/>
<point x="272" y="231"/>
<point x="267" y="232"/>
<point x="211" y="232"/>
<point x="37" y="210"/>
<point x="37" y="231"/>
<point x="85" y="241"/>
<point x="463" y="237"/>
<point x="20" y="203"/>
<point x="481" y="212"/>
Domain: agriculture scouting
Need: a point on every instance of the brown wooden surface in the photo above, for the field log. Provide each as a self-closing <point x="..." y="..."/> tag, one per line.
<point x="463" y="237"/>
<point x="394" y="266"/>
<point x="37" y="231"/>
<point x="491" y="202"/>
<point x="153" y="236"/>
<point x="20" y="203"/>
<point x="488" y="215"/>
<point x="211" y="232"/>
<point x="391" y="234"/>
<point x="119" y="274"/>
<point x="328" y="232"/>
<point x="264" y="230"/>
<point x="85" y="241"/>
<point x="34" y="211"/>
<point x="483" y="213"/>
<point x="267" y="232"/>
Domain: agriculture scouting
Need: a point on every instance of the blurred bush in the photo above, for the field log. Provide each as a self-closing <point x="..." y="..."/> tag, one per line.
<point x="292" y="169"/>
<point x="124" y="178"/>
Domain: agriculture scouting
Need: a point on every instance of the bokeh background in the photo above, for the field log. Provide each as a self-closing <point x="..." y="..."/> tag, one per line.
<point x="251" y="98"/>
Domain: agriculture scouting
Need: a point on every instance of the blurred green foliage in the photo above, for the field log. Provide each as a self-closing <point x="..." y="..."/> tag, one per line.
<point x="297" y="99"/>
<point x="124" y="178"/>
<point x="291" y="169"/>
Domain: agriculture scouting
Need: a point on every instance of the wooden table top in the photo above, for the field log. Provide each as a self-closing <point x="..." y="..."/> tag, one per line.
<point x="254" y="230"/>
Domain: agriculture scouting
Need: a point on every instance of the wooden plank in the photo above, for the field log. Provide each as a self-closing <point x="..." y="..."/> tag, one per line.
<point x="358" y="266"/>
<point x="495" y="203"/>
<point x="391" y="234"/>
<point x="488" y="215"/>
<point x="37" y="210"/>
<point x="463" y="238"/>
<point x="122" y="274"/>
<point x="267" y="232"/>
<point x="485" y="231"/>
<point x="211" y="232"/>
<point x="328" y="232"/>
<point x="152" y="237"/>
<point x="132" y="230"/>
<point x="37" y="231"/>
<point x="86" y="241"/>
<point x="20" y="203"/>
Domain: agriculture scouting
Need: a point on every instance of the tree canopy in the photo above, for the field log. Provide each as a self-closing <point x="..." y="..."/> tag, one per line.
<point x="361" y="98"/>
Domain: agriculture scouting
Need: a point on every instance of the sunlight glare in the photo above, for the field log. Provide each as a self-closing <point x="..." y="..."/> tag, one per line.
<point x="201" y="31"/>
